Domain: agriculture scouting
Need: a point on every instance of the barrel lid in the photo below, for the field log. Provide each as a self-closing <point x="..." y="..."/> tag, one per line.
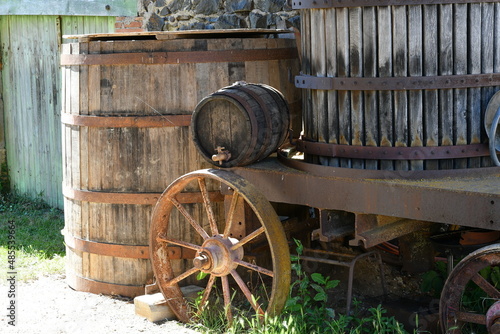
<point x="182" y="34"/>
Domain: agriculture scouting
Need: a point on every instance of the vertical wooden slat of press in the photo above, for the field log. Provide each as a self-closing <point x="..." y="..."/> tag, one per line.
<point x="371" y="119"/>
<point x="460" y="67"/>
<point x="331" y="68"/>
<point x="446" y="68"/>
<point x="356" y="70"/>
<point x="487" y="29"/>
<point x="385" y="66"/>
<point x="415" y="47"/>
<point x="431" y="57"/>
<point x="306" y="69"/>
<point x="400" y="51"/>
<point x="318" y="63"/>
<point x="474" y="67"/>
<point x="343" y="70"/>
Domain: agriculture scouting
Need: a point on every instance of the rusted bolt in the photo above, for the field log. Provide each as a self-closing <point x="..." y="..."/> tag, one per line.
<point x="222" y="155"/>
<point x="202" y="261"/>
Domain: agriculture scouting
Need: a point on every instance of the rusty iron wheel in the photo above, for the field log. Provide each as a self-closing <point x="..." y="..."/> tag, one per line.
<point x="217" y="253"/>
<point x="455" y="314"/>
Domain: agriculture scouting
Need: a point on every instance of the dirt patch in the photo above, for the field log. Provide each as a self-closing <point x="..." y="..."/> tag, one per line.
<point x="49" y="305"/>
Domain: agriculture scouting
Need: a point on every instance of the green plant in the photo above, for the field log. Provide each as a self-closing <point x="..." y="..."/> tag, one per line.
<point x="4" y="179"/>
<point x="305" y="312"/>
<point x="309" y="295"/>
<point x="34" y="231"/>
<point x="433" y="280"/>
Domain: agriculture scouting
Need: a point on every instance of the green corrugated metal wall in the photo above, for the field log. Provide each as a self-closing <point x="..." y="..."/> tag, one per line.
<point x="31" y="80"/>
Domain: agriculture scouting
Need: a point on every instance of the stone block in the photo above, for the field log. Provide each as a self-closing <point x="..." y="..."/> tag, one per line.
<point x="155" y="308"/>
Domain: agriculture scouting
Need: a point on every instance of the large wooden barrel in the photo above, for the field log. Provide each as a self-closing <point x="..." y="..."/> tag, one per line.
<point x="398" y="84"/>
<point x="240" y="124"/>
<point x="127" y="105"/>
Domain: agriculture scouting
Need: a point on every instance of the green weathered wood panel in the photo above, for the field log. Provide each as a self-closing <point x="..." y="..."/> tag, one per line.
<point x="31" y="79"/>
<point x="78" y="25"/>
<point x="69" y="7"/>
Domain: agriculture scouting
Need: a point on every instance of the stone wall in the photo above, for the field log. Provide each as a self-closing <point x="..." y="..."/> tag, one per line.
<point x="169" y="15"/>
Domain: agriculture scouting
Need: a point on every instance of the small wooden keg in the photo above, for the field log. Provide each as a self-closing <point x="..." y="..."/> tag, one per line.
<point x="240" y="124"/>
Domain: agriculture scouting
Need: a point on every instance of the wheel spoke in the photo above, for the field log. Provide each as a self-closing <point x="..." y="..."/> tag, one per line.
<point x="230" y="215"/>
<point x="471" y="317"/>
<point x="182" y="276"/>
<point x="206" y="293"/>
<point x="247" y="292"/>
<point x="208" y="206"/>
<point x="255" y="267"/>
<point x="486" y="286"/>
<point x="248" y="238"/>
<point x="190" y="219"/>
<point x="227" y="299"/>
<point x="162" y="238"/>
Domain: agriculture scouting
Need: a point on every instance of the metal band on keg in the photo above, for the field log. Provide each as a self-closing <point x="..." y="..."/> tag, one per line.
<point x="318" y="4"/>
<point x="398" y="83"/>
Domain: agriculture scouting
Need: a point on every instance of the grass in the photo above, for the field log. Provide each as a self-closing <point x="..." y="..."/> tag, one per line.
<point x="33" y="229"/>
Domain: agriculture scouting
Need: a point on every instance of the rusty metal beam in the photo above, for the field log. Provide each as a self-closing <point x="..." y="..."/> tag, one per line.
<point x="372" y="230"/>
<point x="473" y="199"/>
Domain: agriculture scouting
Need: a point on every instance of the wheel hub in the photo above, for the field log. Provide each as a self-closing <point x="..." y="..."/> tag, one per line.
<point x="217" y="257"/>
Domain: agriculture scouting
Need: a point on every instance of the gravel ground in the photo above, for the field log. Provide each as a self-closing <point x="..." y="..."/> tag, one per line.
<point x="49" y="306"/>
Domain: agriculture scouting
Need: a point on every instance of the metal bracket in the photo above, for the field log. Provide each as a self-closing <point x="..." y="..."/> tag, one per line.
<point x="372" y="230"/>
<point x="398" y="83"/>
<point x="392" y="153"/>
